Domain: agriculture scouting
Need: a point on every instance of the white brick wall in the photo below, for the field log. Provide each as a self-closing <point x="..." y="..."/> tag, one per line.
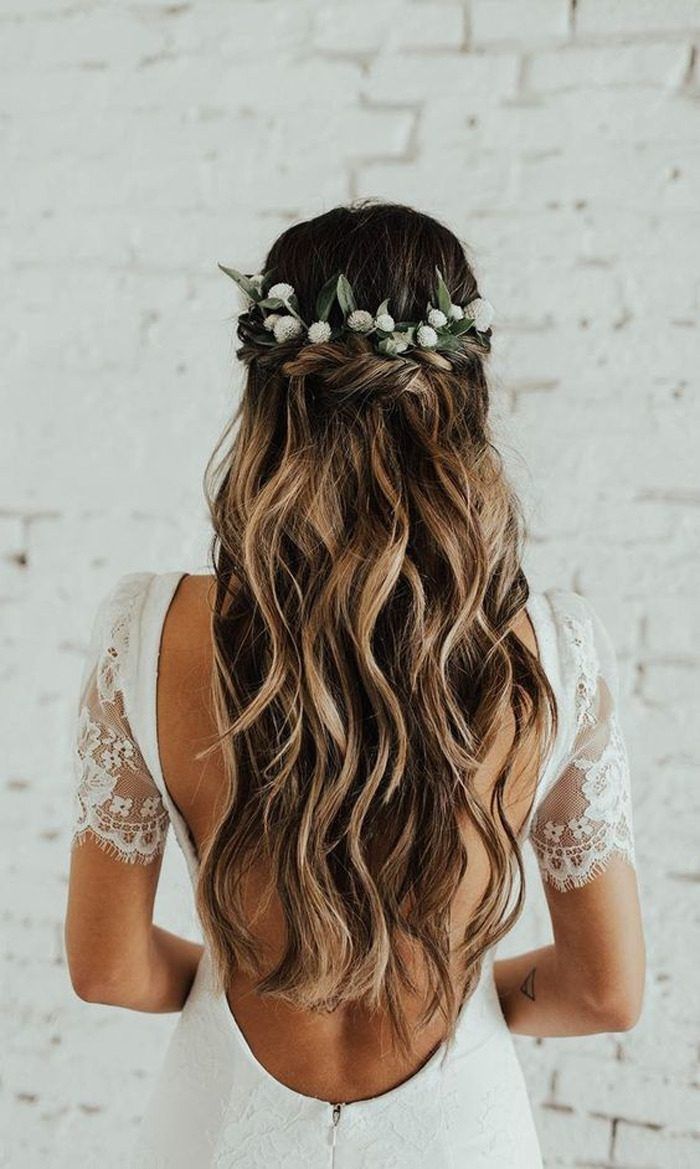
<point x="144" y="142"/>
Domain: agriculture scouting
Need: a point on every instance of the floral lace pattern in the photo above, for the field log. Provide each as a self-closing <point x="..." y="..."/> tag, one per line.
<point x="586" y="816"/>
<point x="586" y="666"/>
<point x="117" y="804"/>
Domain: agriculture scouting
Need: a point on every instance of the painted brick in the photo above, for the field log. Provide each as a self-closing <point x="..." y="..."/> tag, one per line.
<point x="645" y="64"/>
<point x="144" y="143"/>
<point x="480" y="79"/>
<point x="600" y="18"/>
<point x="617" y="1090"/>
<point x="368" y="28"/>
<point x="640" y="1144"/>
<point x="506" y="20"/>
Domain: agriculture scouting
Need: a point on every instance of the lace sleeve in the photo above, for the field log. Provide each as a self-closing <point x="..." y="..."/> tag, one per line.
<point x="117" y="803"/>
<point x="585" y="817"/>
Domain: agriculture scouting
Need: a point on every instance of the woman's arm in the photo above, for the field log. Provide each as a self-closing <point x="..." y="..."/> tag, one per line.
<point x="162" y="983"/>
<point x="116" y="955"/>
<point x="591" y="979"/>
<point x="538" y="997"/>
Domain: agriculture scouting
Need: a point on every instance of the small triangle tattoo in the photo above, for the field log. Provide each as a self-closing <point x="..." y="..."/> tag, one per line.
<point x="528" y="987"/>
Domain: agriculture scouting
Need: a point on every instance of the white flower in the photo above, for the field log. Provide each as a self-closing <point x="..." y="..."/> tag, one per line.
<point x="426" y="337"/>
<point x="456" y="312"/>
<point x="285" y="328"/>
<point x="361" y="321"/>
<point x="385" y="322"/>
<point x="481" y="312"/>
<point x="271" y="320"/>
<point x="437" y="318"/>
<point x="320" y="331"/>
<point x="257" y="282"/>
<point x="281" y="291"/>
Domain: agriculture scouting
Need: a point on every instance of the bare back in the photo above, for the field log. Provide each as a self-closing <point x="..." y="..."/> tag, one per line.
<point x="344" y="1055"/>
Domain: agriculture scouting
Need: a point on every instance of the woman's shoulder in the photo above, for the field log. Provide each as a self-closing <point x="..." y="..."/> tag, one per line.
<point x="189" y="613"/>
<point x="577" y="617"/>
<point x="115" y="608"/>
<point x="584" y="644"/>
<point x="130" y="588"/>
<point x="122" y="589"/>
<point x="133" y="601"/>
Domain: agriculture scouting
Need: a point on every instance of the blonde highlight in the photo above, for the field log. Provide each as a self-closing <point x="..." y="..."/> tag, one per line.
<point x="367" y="552"/>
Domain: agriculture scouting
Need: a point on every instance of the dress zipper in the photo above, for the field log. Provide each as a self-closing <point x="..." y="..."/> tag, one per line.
<point x="337" y="1108"/>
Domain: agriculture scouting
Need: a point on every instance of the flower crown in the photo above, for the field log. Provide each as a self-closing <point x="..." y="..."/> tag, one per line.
<point x="272" y="316"/>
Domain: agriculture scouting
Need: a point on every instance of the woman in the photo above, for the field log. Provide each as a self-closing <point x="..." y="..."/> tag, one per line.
<point x="352" y="725"/>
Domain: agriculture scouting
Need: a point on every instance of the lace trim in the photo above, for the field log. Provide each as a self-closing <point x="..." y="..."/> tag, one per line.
<point x="117" y="804"/>
<point x="120" y="609"/>
<point x="583" y="645"/>
<point x="572" y="851"/>
<point x="586" y="817"/>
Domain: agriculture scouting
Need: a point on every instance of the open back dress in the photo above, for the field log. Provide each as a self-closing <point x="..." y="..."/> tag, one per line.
<point x="214" y="1104"/>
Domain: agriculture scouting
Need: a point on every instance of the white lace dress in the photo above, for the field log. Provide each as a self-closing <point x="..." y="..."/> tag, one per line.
<point x="214" y="1104"/>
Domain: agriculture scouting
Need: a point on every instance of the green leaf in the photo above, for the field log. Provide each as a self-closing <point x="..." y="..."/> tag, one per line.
<point x="293" y="307"/>
<point x="446" y="341"/>
<point x="444" y="300"/>
<point x="462" y="326"/>
<point x="387" y="346"/>
<point x="325" y="298"/>
<point x="244" y="283"/>
<point x="345" y="294"/>
<point x="272" y="302"/>
<point x="383" y="308"/>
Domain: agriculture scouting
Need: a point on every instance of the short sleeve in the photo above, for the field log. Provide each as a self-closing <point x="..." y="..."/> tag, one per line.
<point x="585" y="816"/>
<point x="116" y="801"/>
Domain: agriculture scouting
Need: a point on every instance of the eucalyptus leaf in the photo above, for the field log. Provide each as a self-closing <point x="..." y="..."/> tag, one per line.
<point x="345" y="294"/>
<point x="272" y="302"/>
<point x="448" y="342"/>
<point x="462" y="326"/>
<point x="325" y="298"/>
<point x="383" y="308"/>
<point x="388" y="347"/>
<point x="244" y="282"/>
<point x="293" y="307"/>
<point x="443" y="297"/>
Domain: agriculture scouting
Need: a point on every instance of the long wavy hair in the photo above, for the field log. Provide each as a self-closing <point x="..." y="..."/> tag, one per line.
<point x="367" y="552"/>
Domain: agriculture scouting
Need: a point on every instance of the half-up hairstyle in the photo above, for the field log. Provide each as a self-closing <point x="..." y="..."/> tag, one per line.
<point x="367" y="551"/>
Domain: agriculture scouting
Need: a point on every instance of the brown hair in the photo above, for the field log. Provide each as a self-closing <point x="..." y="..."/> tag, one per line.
<point x="367" y="550"/>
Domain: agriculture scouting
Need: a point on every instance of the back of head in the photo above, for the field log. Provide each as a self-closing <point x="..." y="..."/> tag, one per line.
<point x="367" y="549"/>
